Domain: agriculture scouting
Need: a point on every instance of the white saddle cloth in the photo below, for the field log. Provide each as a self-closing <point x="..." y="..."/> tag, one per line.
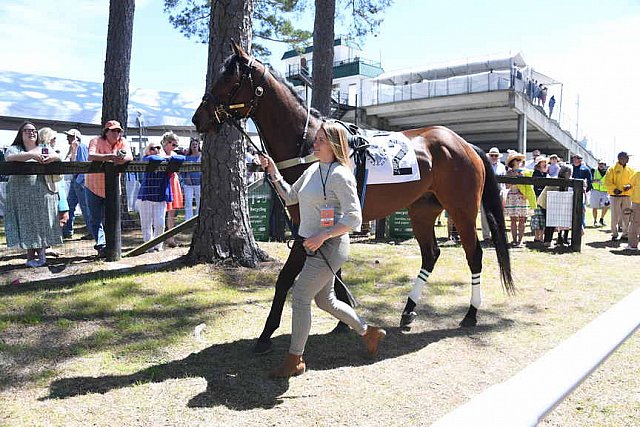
<point x="391" y="158"/>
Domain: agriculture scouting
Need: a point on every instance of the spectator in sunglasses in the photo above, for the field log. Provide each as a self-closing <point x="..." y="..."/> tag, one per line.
<point x="31" y="216"/>
<point x="169" y="144"/>
<point x="154" y="195"/>
<point x="111" y="146"/>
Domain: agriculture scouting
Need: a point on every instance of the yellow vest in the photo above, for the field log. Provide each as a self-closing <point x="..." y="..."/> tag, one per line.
<point x="600" y="186"/>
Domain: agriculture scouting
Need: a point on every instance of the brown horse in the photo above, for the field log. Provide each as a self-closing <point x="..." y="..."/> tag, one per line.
<point x="455" y="176"/>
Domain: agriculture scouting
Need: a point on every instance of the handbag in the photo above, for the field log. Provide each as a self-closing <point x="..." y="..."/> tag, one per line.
<point x="52" y="182"/>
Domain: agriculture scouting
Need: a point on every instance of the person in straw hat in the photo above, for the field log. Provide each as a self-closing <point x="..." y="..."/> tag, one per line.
<point x="516" y="206"/>
<point x="498" y="168"/>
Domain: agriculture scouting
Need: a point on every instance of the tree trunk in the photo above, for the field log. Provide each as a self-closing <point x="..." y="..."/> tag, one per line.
<point x="224" y="232"/>
<point x="323" y="36"/>
<point x="115" y="89"/>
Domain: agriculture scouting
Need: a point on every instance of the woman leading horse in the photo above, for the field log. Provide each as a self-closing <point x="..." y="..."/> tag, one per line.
<point x="454" y="175"/>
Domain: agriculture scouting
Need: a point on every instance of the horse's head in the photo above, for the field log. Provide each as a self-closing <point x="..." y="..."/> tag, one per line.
<point x="234" y="94"/>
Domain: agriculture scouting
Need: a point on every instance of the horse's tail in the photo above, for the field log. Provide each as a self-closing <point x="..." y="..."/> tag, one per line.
<point x="492" y="204"/>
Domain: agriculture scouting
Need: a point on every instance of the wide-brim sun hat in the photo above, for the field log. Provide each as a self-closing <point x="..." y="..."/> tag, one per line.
<point x="540" y="159"/>
<point x="515" y="156"/>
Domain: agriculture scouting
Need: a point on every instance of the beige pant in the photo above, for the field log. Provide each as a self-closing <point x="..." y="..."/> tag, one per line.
<point x="315" y="282"/>
<point x="634" y="224"/>
<point x="618" y="205"/>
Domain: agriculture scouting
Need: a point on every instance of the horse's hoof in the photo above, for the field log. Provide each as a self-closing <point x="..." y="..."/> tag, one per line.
<point x="406" y="320"/>
<point x="263" y="347"/>
<point x="341" y="328"/>
<point x="468" y="322"/>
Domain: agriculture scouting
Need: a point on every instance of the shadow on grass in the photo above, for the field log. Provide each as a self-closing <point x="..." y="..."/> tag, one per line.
<point x="79" y="278"/>
<point x="239" y="380"/>
<point x="625" y="252"/>
<point x="605" y="244"/>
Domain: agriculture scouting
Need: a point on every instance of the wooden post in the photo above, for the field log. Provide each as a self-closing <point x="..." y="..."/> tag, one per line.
<point x="578" y="215"/>
<point x="112" y="227"/>
<point x="381" y="225"/>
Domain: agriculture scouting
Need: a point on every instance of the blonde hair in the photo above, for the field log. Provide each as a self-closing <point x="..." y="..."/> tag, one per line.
<point x="337" y="135"/>
<point x="45" y="135"/>
<point x="147" y="149"/>
<point x="169" y="136"/>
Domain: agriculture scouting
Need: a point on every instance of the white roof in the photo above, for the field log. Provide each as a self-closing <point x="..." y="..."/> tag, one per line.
<point x="63" y="100"/>
<point x="461" y="67"/>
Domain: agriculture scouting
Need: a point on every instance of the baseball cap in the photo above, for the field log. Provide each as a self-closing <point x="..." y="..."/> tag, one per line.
<point x="112" y="124"/>
<point x="73" y="132"/>
<point x="623" y="154"/>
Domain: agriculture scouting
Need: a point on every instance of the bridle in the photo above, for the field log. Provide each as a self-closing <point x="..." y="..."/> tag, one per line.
<point x="233" y="109"/>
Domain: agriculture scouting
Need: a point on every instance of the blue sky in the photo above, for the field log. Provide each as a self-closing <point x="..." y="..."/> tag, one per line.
<point x="591" y="46"/>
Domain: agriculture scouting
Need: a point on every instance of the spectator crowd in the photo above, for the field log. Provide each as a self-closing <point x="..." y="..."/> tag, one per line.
<point x="39" y="211"/>
<point x="615" y="188"/>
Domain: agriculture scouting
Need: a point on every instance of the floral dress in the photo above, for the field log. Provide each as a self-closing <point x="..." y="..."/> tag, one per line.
<point x="516" y="203"/>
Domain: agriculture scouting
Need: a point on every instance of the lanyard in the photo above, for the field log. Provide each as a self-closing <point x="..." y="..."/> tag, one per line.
<point x="324" y="180"/>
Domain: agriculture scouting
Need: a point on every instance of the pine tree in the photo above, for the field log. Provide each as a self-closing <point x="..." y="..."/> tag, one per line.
<point x="223" y="232"/>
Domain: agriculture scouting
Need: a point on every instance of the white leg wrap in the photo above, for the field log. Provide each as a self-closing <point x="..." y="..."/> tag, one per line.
<point x="476" y="294"/>
<point x="416" y="292"/>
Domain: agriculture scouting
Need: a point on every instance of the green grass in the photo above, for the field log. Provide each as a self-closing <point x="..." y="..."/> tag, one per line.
<point x="122" y="350"/>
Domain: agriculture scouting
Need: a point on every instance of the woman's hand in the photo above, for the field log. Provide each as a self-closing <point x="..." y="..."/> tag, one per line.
<point x="63" y="218"/>
<point x="37" y="156"/>
<point x="314" y="242"/>
<point x="267" y="164"/>
<point x="50" y="158"/>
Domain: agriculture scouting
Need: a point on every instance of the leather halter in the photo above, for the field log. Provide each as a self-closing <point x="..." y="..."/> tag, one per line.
<point x="232" y="109"/>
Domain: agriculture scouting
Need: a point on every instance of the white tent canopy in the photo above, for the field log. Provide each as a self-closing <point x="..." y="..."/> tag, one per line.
<point x="464" y="67"/>
<point x="63" y="100"/>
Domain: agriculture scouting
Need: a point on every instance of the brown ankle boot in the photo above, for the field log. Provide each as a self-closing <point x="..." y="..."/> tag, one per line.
<point x="291" y="366"/>
<point x="372" y="338"/>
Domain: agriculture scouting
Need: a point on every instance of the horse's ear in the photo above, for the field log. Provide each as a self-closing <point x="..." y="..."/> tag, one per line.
<point x="237" y="49"/>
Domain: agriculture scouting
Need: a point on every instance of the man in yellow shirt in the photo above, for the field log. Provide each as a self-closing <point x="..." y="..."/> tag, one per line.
<point x="618" y="182"/>
<point x="634" y="218"/>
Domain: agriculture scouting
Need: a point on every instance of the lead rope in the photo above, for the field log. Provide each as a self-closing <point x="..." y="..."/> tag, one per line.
<point x="294" y="234"/>
<point x="306" y="125"/>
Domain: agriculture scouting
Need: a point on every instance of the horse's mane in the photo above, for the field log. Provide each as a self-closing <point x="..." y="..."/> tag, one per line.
<point x="231" y="67"/>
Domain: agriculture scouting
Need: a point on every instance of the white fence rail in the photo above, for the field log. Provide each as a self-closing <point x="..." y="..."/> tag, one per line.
<point x="524" y="399"/>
